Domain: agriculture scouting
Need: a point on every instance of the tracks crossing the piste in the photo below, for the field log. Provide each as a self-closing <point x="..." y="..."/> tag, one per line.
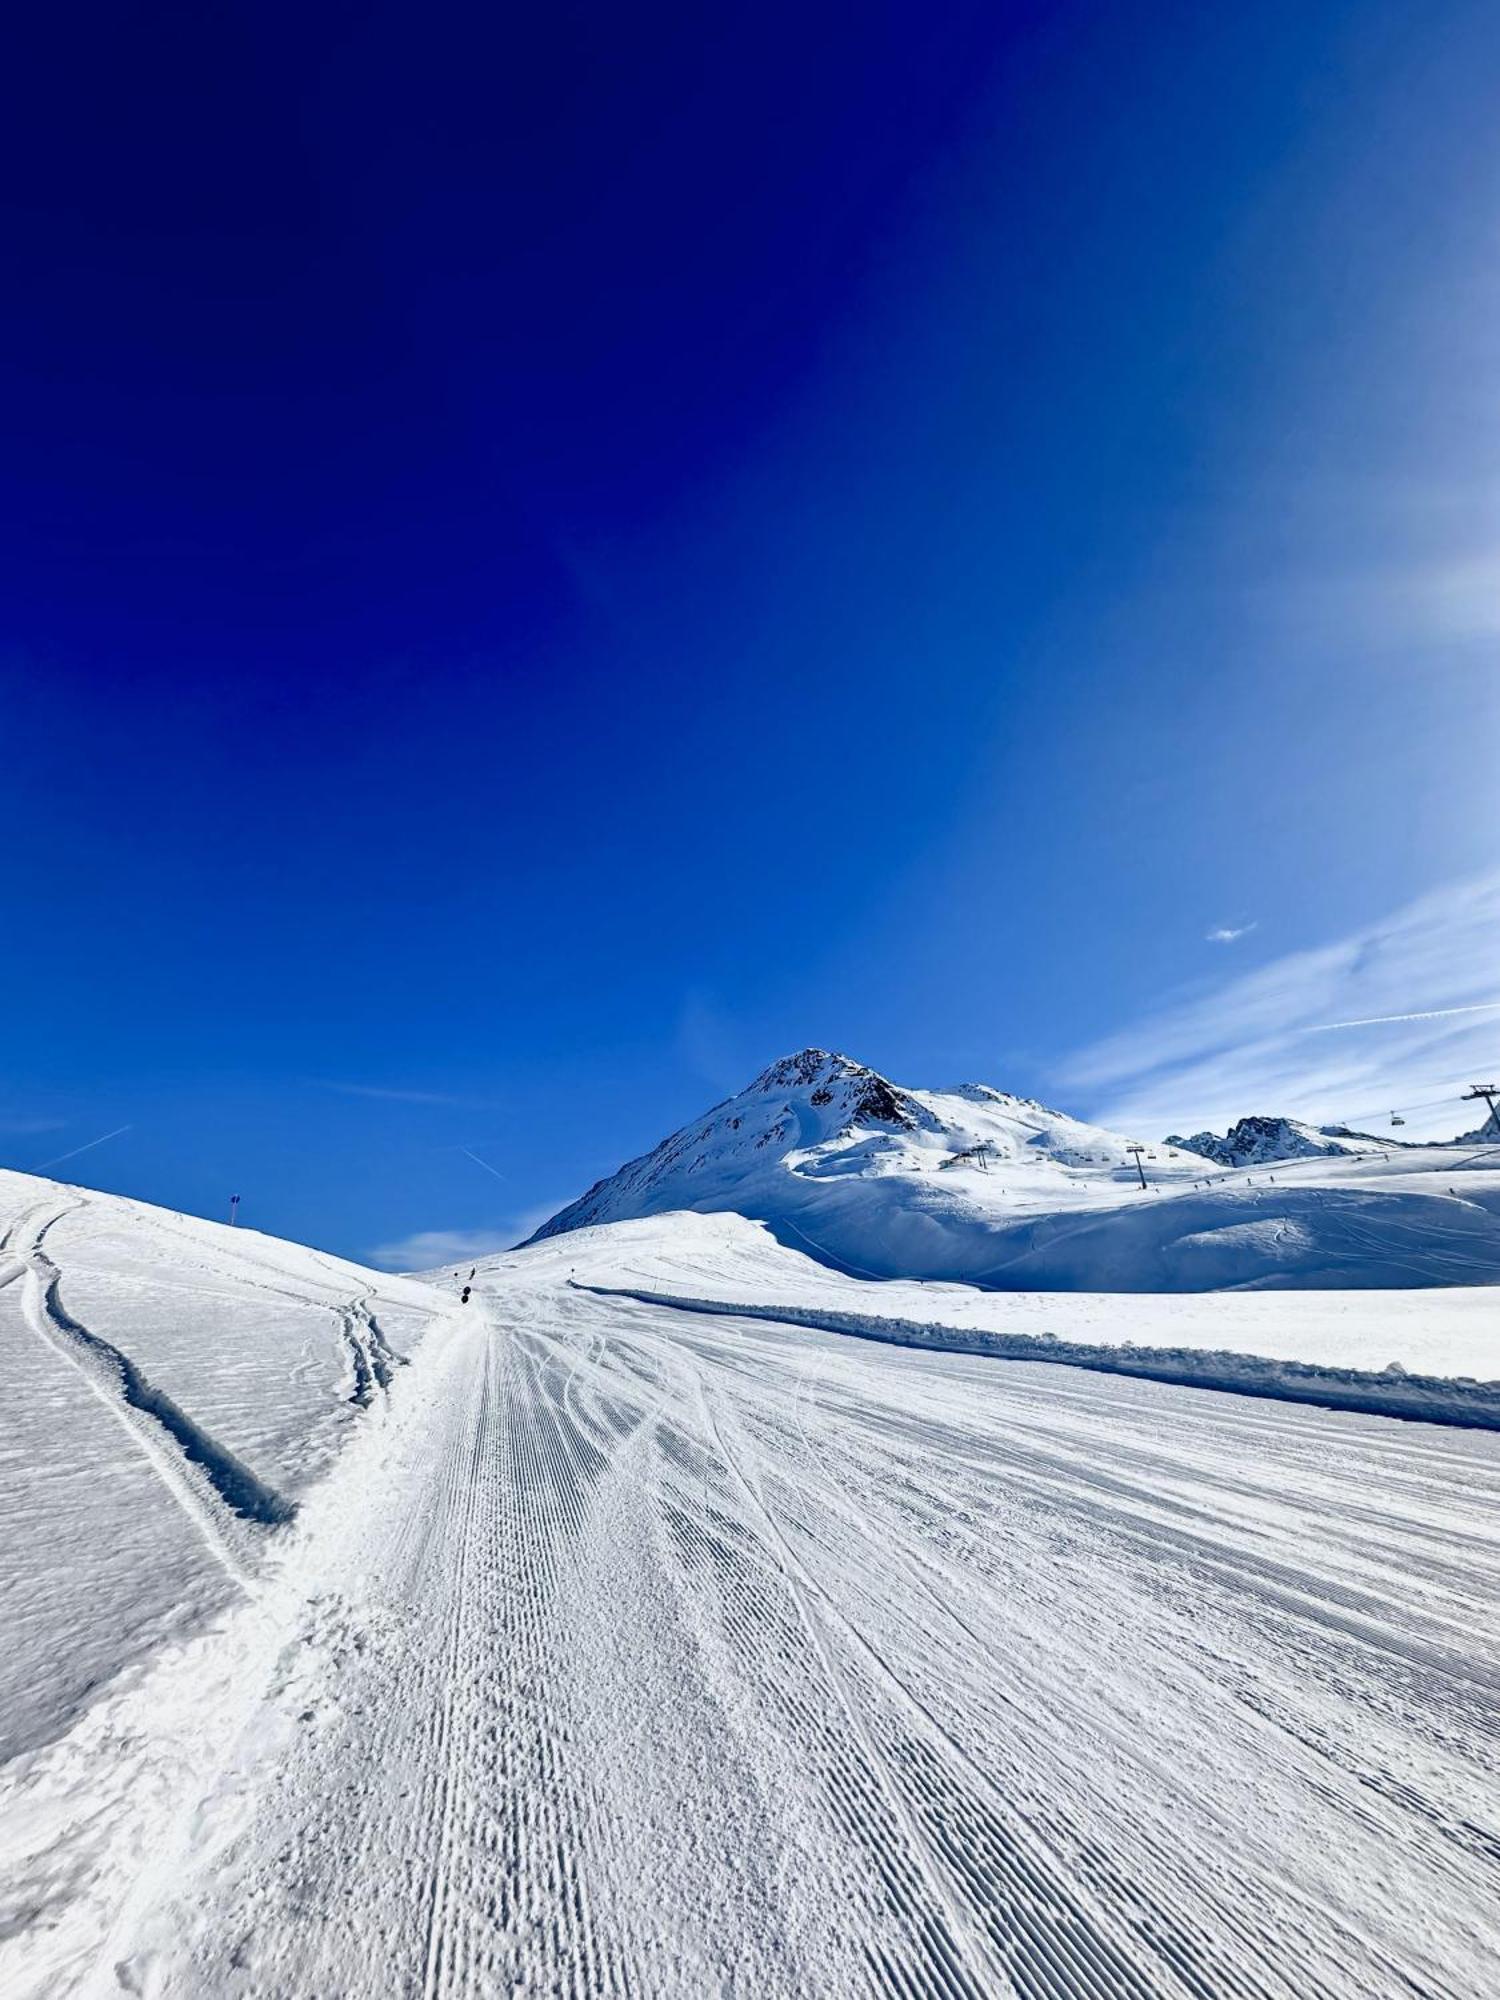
<point x="636" y="1668"/>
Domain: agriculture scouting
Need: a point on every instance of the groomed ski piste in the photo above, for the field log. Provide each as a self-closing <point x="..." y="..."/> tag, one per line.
<point x="569" y="1642"/>
<point x="1429" y="1353"/>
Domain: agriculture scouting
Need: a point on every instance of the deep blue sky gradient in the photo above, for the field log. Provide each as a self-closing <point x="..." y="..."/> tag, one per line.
<point x="550" y="556"/>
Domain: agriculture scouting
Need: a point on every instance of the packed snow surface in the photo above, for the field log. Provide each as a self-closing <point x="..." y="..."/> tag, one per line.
<point x="974" y="1185"/>
<point x="1432" y="1354"/>
<point x="171" y="1388"/>
<point x="624" y="1650"/>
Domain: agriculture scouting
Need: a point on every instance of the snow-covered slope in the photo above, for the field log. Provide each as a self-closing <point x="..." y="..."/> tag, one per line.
<point x="171" y="1389"/>
<point x="975" y="1185"/>
<point x="1429" y="1354"/>
<point x="632" y="1651"/>
<point x="817" y="1118"/>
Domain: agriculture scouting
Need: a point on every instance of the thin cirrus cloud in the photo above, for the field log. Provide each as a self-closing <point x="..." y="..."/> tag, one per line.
<point x="1398" y="1014"/>
<point x="395" y="1094"/>
<point x="1227" y="933"/>
<point x="431" y="1249"/>
<point x="87" y="1147"/>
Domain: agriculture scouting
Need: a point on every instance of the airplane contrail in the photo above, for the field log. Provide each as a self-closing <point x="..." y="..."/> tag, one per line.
<point x="87" y="1148"/>
<point x="482" y="1163"/>
<point x="1428" y="1014"/>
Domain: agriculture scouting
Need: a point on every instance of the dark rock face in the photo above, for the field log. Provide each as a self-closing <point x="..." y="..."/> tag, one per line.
<point x="846" y="1092"/>
<point x="808" y="1066"/>
<point x="881" y="1103"/>
<point x="865" y="1095"/>
<point x="1260" y="1141"/>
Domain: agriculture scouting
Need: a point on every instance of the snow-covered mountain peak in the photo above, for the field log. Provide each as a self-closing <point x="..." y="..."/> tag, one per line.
<point x="860" y="1096"/>
<point x="1261" y="1141"/>
<point x="807" y="1066"/>
<point x="817" y="1126"/>
<point x="972" y="1183"/>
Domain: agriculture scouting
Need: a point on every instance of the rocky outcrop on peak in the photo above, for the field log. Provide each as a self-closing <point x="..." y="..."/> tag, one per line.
<point x="1262" y="1141"/>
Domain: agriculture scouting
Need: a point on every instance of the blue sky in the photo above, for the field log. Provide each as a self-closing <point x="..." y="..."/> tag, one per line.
<point x="548" y="561"/>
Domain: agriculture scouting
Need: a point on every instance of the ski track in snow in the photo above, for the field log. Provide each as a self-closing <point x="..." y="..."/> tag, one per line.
<point x="626" y="1653"/>
<point x="225" y="1501"/>
<point x="372" y="1360"/>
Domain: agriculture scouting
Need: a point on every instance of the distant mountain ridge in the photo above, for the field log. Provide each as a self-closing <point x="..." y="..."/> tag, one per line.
<point x="819" y="1116"/>
<point x="1260" y="1141"/>
<point x="971" y="1183"/>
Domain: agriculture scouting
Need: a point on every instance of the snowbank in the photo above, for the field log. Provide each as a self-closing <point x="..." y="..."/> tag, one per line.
<point x="1412" y="1353"/>
<point x="1393" y="1393"/>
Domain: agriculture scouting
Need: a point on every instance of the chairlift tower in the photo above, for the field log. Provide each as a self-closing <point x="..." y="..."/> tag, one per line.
<point x="1489" y="1092"/>
<point x="1137" y="1151"/>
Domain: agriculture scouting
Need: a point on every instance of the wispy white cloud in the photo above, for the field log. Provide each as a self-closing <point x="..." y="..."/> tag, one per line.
<point x="431" y="1249"/>
<point x="393" y="1093"/>
<point x="1227" y="933"/>
<point x="1416" y="991"/>
<point x="1459" y="599"/>
<point x="22" y="1126"/>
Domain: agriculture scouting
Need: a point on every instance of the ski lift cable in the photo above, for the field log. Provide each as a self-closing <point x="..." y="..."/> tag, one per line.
<point x="1387" y="1110"/>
